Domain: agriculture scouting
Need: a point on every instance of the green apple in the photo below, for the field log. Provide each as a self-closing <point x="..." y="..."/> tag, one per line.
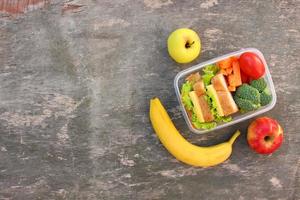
<point x="184" y="45"/>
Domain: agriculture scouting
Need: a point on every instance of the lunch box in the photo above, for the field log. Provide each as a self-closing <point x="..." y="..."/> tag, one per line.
<point x="237" y="117"/>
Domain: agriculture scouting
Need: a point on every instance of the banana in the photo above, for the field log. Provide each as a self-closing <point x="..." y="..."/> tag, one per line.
<point x="179" y="147"/>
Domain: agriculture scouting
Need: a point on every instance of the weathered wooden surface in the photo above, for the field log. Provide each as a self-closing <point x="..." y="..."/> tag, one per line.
<point x="75" y="84"/>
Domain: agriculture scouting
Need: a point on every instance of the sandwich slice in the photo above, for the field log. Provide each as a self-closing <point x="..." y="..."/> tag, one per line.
<point x="215" y="101"/>
<point x="225" y="98"/>
<point x="201" y="107"/>
<point x="201" y="99"/>
<point x="197" y="107"/>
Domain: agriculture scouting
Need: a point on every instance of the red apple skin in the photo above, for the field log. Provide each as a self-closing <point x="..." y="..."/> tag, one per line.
<point x="260" y="129"/>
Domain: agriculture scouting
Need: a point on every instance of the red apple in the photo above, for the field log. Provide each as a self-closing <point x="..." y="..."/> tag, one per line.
<point x="265" y="135"/>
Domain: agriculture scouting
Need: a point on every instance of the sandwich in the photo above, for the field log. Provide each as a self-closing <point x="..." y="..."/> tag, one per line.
<point x="225" y="100"/>
<point x="207" y="99"/>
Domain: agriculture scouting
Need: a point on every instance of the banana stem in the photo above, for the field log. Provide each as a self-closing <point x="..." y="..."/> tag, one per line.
<point x="234" y="136"/>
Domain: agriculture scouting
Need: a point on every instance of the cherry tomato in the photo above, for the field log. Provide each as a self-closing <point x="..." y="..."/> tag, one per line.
<point x="252" y="65"/>
<point x="244" y="77"/>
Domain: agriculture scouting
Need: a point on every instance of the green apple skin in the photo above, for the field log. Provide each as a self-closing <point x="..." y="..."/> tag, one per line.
<point x="184" y="45"/>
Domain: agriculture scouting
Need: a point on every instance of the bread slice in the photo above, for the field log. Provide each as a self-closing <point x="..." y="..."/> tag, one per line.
<point x="197" y="107"/>
<point x="194" y="77"/>
<point x="224" y="95"/>
<point x="199" y="88"/>
<point x="227" y="103"/>
<point x="219" y="82"/>
<point x="207" y="115"/>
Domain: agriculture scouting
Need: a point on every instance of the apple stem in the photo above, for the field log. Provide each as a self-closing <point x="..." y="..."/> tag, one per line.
<point x="188" y="45"/>
<point x="233" y="138"/>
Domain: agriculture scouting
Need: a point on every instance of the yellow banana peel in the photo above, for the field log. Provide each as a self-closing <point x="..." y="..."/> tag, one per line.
<point x="179" y="147"/>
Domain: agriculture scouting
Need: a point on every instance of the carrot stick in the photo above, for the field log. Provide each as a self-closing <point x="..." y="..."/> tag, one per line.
<point x="231" y="88"/>
<point x="237" y="73"/>
<point x="226" y="63"/>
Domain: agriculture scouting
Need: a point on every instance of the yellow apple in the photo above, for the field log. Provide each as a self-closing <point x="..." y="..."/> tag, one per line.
<point x="184" y="45"/>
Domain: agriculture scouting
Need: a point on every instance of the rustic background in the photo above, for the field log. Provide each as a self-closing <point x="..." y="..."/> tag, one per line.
<point x="75" y="82"/>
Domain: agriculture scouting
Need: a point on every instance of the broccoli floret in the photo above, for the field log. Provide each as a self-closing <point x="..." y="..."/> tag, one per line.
<point x="267" y="91"/>
<point x="247" y="98"/>
<point x="265" y="97"/>
<point x="245" y="105"/>
<point x="259" y="84"/>
<point x="248" y="92"/>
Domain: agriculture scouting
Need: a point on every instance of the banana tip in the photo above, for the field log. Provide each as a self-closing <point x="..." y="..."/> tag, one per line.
<point x="234" y="137"/>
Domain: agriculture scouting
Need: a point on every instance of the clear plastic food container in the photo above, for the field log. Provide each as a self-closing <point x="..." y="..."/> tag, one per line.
<point x="237" y="117"/>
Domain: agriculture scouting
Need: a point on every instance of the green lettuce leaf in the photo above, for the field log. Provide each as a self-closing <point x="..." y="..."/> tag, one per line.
<point x="223" y="119"/>
<point x="208" y="73"/>
<point x="210" y="69"/>
<point x="186" y="100"/>
<point x="207" y="78"/>
<point x="202" y="125"/>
